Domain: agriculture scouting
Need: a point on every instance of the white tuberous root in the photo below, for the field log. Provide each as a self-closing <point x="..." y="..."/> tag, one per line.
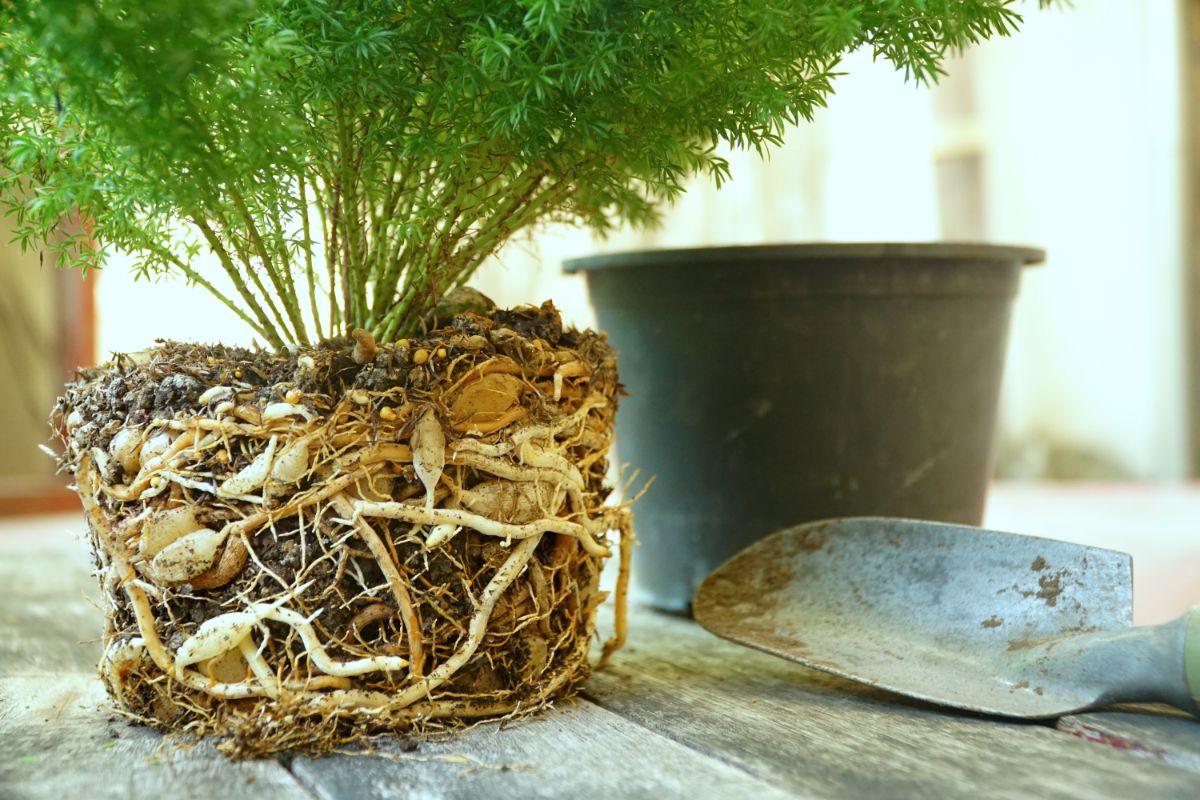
<point x="429" y="454"/>
<point x="252" y="476"/>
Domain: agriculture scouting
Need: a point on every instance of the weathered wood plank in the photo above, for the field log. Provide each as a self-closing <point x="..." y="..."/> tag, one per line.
<point x="574" y="750"/>
<point x="49" y="618"/>
<point x="56" y="743"/>
<point x="811" y="733"/>
<point x="47" y="612"/>
<point x="55" y="740"/>
<point x="1169" y="738"/>
<point x="684" y="714"/>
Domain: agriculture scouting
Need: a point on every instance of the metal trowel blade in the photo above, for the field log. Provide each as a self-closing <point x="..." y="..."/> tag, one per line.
<point x="934" y="611"/>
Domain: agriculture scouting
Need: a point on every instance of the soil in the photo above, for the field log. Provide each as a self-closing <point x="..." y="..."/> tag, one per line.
<point x="525" y="410"/>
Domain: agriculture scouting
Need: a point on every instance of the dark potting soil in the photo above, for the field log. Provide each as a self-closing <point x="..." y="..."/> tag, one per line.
<point x="169" y="379"/>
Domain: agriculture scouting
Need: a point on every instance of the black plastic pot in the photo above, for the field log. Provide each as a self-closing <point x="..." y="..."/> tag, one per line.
<point x="777" y="384"/>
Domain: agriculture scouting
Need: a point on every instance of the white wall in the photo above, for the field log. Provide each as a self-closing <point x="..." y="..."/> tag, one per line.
<point x="1081" y="116"/>
<point x="131" y="314"/>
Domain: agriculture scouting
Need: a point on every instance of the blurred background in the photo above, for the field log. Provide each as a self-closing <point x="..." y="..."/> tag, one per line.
<point x="1075" y="136"/>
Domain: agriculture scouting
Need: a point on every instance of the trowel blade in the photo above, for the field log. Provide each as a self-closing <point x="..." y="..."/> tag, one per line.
<point x="934" y="611"/>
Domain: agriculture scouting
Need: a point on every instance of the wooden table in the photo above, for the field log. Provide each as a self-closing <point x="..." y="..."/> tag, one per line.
<point x="678" y="714"/>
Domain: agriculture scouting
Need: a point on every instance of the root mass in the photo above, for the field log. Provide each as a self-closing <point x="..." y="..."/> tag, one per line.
<point x="300" y="550"/>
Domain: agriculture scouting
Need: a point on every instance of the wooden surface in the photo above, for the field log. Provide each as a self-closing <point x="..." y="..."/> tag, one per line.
<point x="679" y="714"/>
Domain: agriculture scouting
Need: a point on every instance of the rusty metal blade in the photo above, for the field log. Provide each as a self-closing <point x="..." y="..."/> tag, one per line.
<point x="945" y="613"/>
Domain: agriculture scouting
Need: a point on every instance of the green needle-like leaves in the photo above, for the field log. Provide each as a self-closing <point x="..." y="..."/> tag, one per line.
<point x="349" y="162"/>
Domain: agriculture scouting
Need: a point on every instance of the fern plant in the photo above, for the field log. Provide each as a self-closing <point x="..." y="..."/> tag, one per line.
<point x="350" y="161"/>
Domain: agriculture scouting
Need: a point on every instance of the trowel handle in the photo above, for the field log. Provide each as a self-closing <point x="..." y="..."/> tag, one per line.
<point x="1191" y="653"/>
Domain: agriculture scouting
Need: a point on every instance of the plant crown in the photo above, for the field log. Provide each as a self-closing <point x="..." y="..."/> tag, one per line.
<point x="350" y="161"/>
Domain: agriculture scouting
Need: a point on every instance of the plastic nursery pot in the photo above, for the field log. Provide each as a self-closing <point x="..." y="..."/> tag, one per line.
<point x="776" y="384"/>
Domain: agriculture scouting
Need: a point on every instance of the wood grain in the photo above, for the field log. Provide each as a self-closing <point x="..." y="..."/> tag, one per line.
<point x="55" y="742"/>
<point x="50" y="618"/>
<point x="817" y="735"/>
<point x="56" y="738"/>
<point x="576" y="750"/>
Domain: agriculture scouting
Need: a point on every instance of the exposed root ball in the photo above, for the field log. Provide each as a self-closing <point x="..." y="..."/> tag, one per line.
<point x="301" y="550"/>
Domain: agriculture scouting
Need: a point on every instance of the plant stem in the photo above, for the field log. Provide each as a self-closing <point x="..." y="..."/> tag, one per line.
<point x="308" y="254"/>
<point x="279" y="275"/>
<point x="263" y="327"/>
<point x="279" y="240"/>
<point x="335" y="318"/>
<point x="240" y="250"/>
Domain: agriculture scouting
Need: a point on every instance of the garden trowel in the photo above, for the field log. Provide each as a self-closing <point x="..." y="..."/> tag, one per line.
<point x="992" y="622"/>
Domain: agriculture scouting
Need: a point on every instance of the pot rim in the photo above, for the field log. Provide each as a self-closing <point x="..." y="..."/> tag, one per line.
<point x="809" y="251"/>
